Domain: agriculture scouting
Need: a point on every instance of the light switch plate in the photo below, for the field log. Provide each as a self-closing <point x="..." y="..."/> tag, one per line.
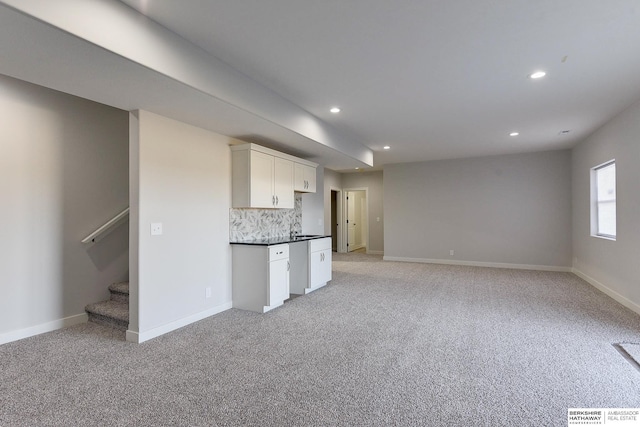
<point x="156" y="228"/>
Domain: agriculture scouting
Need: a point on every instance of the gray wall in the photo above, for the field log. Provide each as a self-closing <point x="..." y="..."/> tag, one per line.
<point x="612" y="266"/>
<point x="332" y="181"/>
<point x="183" y="175"/>
<point x="512" y="209"/>
<point x="63" y="173"/>
<point x="313" y="215"/>
<point x="372" y="181"/>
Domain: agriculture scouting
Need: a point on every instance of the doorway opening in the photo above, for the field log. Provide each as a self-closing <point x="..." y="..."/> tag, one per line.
<point x="335" y="195"/>
<point x="356" y="219"/>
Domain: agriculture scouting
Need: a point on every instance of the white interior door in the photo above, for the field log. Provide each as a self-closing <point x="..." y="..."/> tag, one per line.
<point x="351" y="221"/>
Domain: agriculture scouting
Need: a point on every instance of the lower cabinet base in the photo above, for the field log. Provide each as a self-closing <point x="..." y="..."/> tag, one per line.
<point x="260" y="277"/>
<point x="266" y="308"/>
<point x="308" y="290"/>
<point x="257" y="308"/>
<point x="310" y="265"/>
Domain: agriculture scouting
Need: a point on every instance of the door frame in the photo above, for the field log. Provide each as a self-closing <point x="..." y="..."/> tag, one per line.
<point x="339" y="241"/>
<point x="344" y="230"/>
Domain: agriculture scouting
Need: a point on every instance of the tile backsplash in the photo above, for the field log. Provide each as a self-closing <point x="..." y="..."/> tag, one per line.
<point x="249" y="224"/>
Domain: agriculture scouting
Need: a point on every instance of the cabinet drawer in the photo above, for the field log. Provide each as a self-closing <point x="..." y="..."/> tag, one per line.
<point x="278" y="252"/>
<point x="319" y="244"/>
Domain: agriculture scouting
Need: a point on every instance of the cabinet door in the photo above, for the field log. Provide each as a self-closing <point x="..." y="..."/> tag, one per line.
<point x="299" y="181"/>
<point x="305" y="178"/>
<point x="310" y="178"/>
<point x="283" y="183"/>
<point x="278" y="281"/>
<point x="261" y="173"/>
<point x="320" y="268"/>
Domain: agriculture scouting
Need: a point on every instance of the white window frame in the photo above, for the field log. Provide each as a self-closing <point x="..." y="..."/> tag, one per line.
<point x="596" y="202"/>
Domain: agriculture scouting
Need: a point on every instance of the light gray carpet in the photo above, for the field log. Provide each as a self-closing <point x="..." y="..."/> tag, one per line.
<point x="385" y="344"/>
<point x="633" y="351"/>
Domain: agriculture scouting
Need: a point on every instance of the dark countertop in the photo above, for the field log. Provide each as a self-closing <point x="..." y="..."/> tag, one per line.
<point x="278" y="240"/>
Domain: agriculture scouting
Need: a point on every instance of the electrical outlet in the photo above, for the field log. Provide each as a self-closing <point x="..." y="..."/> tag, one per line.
<point x="451" y="252"/>
<point x="156" y="228"/>
<point x="207" y="292"/>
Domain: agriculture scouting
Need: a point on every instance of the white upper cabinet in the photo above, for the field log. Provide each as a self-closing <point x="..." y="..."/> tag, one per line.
<point x="260" y="184"/>
<point x="264" y="178"/>
<point x="305" y="178"/>
<point x="283" y="183"/>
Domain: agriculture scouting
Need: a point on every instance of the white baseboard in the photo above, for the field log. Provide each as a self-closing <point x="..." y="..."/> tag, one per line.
<point x="375" y="252"/>
<point x="481" y="264"/>
<point x="605" y="289"/>
<point x="43" y="328"/>
<point x="140" y="337"/>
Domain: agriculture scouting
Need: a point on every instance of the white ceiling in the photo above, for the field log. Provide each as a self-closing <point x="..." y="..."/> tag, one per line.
<point x="433" y="79"/>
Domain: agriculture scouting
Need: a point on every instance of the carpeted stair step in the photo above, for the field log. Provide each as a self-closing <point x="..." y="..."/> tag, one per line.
<point x="109" y="313"/>
<point x="119" y="292"/>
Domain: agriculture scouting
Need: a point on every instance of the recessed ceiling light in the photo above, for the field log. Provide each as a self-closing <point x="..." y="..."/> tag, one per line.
<point x="537" y="75"/>
<point x="357" y="168"/>
<point x="386" y="147"/>
<point x="335" y="110"/>
<point x="514" y="134"/>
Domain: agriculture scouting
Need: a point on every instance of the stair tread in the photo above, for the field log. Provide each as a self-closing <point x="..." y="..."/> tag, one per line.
<point x="121" y="287"/>
<point x="114" y="309"/>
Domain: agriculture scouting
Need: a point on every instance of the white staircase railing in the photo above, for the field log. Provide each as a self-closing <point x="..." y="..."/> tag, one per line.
<point x="108" y="226"/>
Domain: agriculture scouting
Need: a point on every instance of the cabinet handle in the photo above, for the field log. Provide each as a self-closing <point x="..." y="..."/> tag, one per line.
<point x="288" y="266"/>
<point x="277" y="201"/>
<point x="273" y="200"/>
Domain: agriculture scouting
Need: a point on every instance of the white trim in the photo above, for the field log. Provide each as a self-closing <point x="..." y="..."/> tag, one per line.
<point x="605" y="289"/>
<point x="107" y="227"/>
<point x="345" y="231"/>
<point x="375" y="252"/>
<point x="593" y="182"/>
<point x="269" y="151"/>
<point x="43" y="328"/>
<point x="140" y="337"/>
<point x="481" y="264"/>
<point x="604" y="237"/>
<point x="338" y="236"/>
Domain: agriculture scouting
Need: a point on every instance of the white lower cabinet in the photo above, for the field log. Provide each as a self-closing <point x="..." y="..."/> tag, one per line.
<point x="310" y="265"/>
<point x="260" y="276"/>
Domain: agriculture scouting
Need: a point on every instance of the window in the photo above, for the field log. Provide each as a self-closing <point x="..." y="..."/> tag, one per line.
<point x="603" y="200"/>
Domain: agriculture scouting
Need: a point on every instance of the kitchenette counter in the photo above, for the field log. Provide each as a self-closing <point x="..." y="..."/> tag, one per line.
<point x="278" y="240"/>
